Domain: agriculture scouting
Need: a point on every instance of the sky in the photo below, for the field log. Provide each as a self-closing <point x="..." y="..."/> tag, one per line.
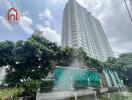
<point x="46" y="15"/>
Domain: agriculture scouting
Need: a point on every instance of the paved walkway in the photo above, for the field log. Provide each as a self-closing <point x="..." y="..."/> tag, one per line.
<point x="64" y="94"/>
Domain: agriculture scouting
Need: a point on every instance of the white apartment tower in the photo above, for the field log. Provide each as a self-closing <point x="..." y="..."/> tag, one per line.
<point x="82" y="30"/>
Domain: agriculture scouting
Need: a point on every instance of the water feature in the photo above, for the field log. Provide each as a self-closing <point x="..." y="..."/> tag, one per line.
<point x="125" y="89"/>
<point x="78" y="82"/>
<point x="79" y="78"/>
<point x="95" y="97"/>
<point x="113" y="78"/>
<point x="64" y="79"/>
<point x="120" y="85"/>
<point x="89" y="84"/>
<point x="105" y="72"/>
<point x="75" y="94"/>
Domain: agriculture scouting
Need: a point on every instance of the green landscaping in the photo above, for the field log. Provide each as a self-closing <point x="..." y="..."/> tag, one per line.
<point x="30" y="61"/>
<point x="10" y="93"/>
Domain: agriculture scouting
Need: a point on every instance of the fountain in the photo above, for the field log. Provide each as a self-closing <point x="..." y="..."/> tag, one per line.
<point x="125" y="89"/>
<point x="113" y="78"/>
<point x="120" y="85"/>
<point x="95" y="96"/>
<point x="75" y="82"/>
<point x="107" y="78"/>
<point x="80" y="78"/>
<point x="75" y="94"/>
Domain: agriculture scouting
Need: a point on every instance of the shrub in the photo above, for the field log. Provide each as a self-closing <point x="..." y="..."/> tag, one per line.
<point x="30" y="87"/>
<point x="46" y="86"/>
<point x="10" y="93"/>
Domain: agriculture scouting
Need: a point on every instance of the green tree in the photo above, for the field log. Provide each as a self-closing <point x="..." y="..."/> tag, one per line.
<point x="65" y="56"/>
<point x="6" y="54"/>
<point x="30" y="87"/>
<point x="124" y="65"/>
<point x="32" y="60"/>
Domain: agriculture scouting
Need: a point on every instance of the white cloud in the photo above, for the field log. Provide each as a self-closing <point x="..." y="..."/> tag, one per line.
<point x="56" y="1"/>
<point x="47" y="23"/>
<point x="46" y="14"/>
<point x="25" y="13"/>
<point x="49" y="34"/>
<point x="6" y="24"/>
<point x="26" y="24"/>
<point x="119" y="48"/>
<point x="1" y="39"/>
<point x="118" y="51"/>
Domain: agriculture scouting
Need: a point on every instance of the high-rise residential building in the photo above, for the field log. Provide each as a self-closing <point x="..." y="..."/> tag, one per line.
<point x="81" y="30"/>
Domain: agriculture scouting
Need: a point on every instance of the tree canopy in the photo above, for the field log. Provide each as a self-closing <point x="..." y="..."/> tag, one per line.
<point x="123" y="65"/>
<point x="34" y="58"/>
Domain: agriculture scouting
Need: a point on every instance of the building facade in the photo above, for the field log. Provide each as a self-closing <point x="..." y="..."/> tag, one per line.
<point x="81" y="30"/>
